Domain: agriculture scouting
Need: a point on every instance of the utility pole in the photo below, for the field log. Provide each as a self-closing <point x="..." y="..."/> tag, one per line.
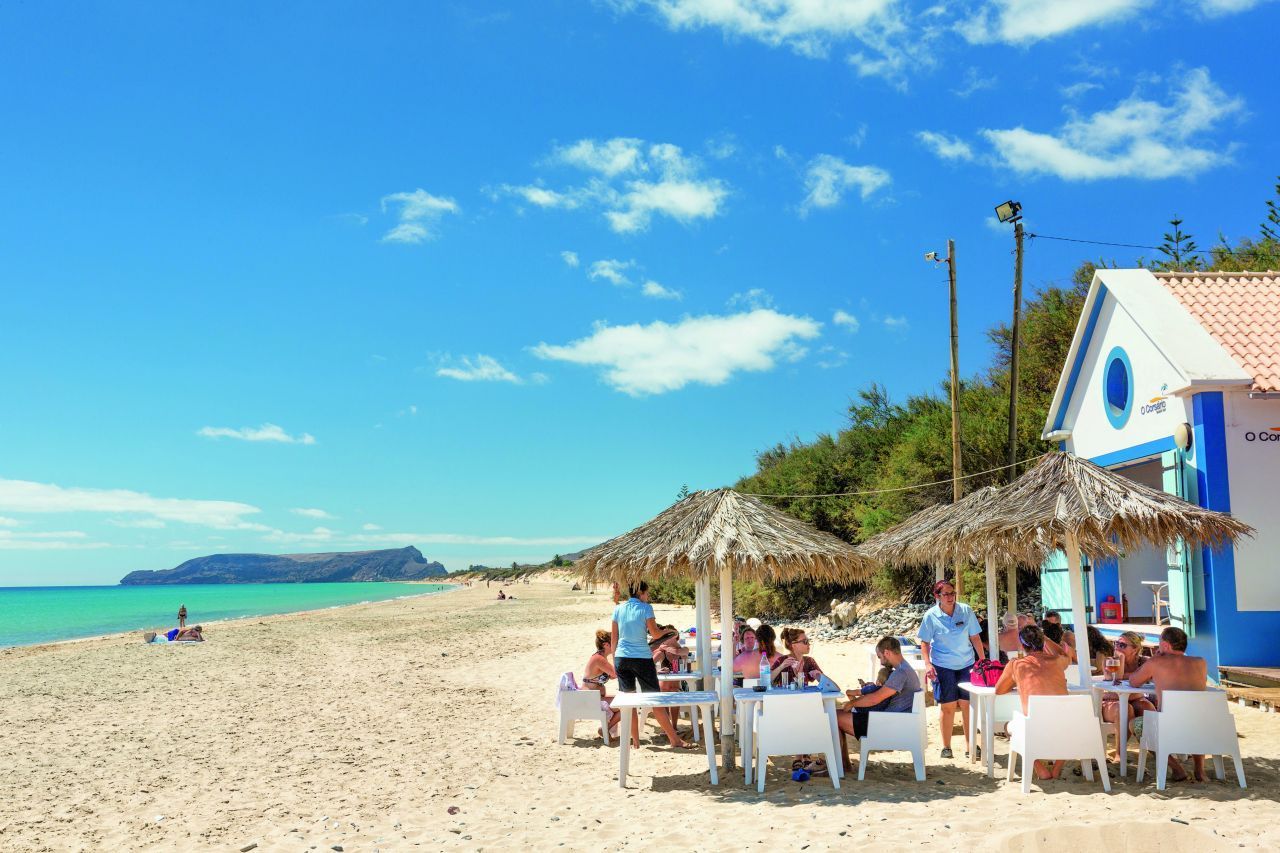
<point x="1013" y="351"/>
<point x="957" y="485"/>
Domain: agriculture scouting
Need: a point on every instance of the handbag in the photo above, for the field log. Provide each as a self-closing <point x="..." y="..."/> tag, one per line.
<point x="986" y="672"/>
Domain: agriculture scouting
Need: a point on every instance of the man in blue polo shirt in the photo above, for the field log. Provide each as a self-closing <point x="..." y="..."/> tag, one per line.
<point x="950" y="642"/>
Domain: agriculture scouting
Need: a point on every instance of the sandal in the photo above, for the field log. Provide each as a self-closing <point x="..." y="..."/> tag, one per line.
<point x="817" y="767"/>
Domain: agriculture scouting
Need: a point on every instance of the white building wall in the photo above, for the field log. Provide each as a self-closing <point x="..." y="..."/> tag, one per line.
<point x="1154" y="415"/>
<point x="1253" y="466"/>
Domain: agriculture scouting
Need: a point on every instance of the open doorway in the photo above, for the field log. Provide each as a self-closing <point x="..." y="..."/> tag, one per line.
<point x="1142" y="572"/>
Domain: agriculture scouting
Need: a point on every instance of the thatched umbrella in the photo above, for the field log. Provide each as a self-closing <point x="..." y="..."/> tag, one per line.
<point x="1069" y="503"/>
<point x="727" y="533"/>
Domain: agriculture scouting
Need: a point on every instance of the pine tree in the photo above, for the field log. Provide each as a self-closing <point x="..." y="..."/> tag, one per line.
<point x="683" y="493"/>
<point x="1179" y="248"/>
<point x="1271" y="228"/>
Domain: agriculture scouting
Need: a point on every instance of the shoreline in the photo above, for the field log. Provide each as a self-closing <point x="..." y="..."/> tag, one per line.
<point x="5" y="650"/>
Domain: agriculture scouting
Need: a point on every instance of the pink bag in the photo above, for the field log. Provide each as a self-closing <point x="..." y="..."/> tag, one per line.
<point x="986" y="672"/>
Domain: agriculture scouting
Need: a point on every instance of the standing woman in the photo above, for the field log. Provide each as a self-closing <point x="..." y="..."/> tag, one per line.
<point x="950" y="642"/>
<point x="633" y="625"/>
<point x="182" y="615"/>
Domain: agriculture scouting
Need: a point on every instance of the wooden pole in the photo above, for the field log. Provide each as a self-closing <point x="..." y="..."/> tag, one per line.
<point x="957" y="484"/>
<point x="993" y="611"/>
<point x="726" y="669"/>
<point x="1013" y="351"/>
<point x="1075" y="576"/>
<point x="702" y="593"/>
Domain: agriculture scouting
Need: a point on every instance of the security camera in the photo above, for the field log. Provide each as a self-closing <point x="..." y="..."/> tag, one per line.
<point x="931" y="256"/>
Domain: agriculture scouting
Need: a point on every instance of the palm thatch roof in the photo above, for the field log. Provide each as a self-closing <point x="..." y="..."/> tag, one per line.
<point x="711" y="530"/>
<point x="1064" y="495"/>
<point x="913" y="542"/>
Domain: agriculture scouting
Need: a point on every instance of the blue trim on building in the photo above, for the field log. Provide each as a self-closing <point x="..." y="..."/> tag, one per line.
<point x="1081" y="351"/>
<point x="1117" y="412"/>
<point x="1132" y="454"/>
<point x="1238" y="631"/>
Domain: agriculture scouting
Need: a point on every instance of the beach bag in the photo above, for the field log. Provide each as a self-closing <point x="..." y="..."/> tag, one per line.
<point x="986" y="672"/>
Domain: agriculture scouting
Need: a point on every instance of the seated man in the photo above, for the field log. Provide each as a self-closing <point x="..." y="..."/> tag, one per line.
<point x="1042" y="672"/>
<point x="897" y="694"/>
<point x="1173" y="669"/>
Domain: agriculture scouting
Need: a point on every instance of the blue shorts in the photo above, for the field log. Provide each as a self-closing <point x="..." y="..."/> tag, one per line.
<point x="947" y="686"/>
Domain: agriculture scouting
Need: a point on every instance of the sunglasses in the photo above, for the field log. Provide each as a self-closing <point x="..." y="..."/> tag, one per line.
<point x="946" y="595"/>
<point x="1121" y="645"/>
<point x="804" y="640"/>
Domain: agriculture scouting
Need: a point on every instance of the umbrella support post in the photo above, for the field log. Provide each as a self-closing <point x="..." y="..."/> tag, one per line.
<point x="1075" y="575"/>
<point x="993" y="610"/>
<point x="1013" y="590"/>
<point x="727" y="650"/>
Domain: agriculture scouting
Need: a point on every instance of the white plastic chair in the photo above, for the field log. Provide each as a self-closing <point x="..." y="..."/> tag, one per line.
<point x="1006" y="706"/>
<point x="899" y="731"/>
<point x="1193" y="722"/>
<point x="1057" y="728"/>
<point x="575" y="704"/>
<point x="793" y="724"/>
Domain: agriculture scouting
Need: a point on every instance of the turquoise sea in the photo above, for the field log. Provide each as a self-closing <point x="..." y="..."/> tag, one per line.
<point x="41" y="614"/>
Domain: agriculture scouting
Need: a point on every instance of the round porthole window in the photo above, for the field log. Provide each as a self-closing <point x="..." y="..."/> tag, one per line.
<point x="1117" y="388"/>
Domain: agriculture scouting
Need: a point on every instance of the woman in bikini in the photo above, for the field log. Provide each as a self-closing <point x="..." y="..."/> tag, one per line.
<point x="599" y="671"/>
<point x="1129" y="649"/>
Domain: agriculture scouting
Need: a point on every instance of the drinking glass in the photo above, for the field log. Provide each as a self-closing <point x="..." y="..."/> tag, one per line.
<point x="784" y="681"/>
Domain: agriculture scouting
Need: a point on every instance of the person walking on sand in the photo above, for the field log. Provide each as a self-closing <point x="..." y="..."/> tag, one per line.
<point x="1173" y="669"/>
<point x="182" y="615"/>
<point x="633" y="625"/>
<point x="950" y="642"/>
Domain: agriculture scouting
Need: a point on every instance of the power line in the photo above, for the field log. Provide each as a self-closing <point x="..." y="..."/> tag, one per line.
<point x="899" y="488"/>
<point x="1219" y="250"/>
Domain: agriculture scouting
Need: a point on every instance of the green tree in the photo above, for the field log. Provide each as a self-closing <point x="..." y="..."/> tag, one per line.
<point x="1271" y="226"/>
<point x="683" y="493"/>
<point x="1179" y="248"/>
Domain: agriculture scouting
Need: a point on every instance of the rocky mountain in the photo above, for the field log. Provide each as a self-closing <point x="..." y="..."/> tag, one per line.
<point x="394" y="564"/>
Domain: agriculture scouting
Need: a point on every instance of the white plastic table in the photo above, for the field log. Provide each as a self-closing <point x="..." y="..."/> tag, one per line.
<point x="982" y="700"/>
<point x="1124" y="689"/>
<point x="704" y="699"/>
<point x="680" y="678"/>
<point x="748" y="700"/>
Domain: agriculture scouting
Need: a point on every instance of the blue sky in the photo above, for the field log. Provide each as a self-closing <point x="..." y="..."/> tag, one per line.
<point x="495" y="279"/>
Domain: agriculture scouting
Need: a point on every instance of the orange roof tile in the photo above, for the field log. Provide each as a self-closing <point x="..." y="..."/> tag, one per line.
<point x="1241" y="310"/>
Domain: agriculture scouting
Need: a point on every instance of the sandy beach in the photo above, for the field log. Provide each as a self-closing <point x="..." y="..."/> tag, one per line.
<point x="429" y="724"/>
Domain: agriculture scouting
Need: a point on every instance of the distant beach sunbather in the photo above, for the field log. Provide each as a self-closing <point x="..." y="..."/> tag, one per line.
<point x="194" y="634"/>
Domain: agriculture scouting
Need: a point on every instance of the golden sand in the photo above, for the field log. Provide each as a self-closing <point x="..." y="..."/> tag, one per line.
<point x="429" y="724"/>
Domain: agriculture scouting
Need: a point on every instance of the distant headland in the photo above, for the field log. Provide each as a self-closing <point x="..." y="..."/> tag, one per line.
<point x="393" y="564"/>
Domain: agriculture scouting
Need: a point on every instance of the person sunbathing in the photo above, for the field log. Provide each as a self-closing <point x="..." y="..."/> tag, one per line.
<point x="1173" y="669"/>
<point x="194" y="634"/>
<point x="1042" y="672"/>
<point x="598" y="672"/>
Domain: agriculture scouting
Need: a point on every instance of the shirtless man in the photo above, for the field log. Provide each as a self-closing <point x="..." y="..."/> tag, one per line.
<point x="1173" y="669"/>
<point x="1043" y="672"/>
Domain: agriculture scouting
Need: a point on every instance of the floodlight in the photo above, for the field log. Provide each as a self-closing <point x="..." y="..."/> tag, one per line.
<point x="1010" y="211"/>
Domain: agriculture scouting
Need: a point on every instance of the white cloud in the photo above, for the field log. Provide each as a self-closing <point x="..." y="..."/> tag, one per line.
<point x="828" y="178"/>
<point x="610" y="158"/>
<point x="484" y="369"/>
<point x="310" y="512"/>
<point x="1215" y="8"/>
<point x="946" y="147"/>
<point x="898" y="323"/>
<point x="542" y="197"/>
<point x="974" y="81"/>
<point x="1027" y="21"/>
<point x="612" y="271"/>
<point x="722" y="146"/>
<point x="137" y="523"/>
<point x="846" y="320"/>
<point x="30" y="497"/>
<point x="1138" y="138"/>
<point x="830" y="358"/>
<point x="371" y="527"/>
<point x="1075" y="90"/>
<point x="570" y="258"/>
<point x="418" y="212"/>
<point x="266" y="432"/>
<point x="707" y="350"/>
<point x="318" y="534"/>
<point x="653" y="290"/>
<point x="632" y="181"/>
<point x="9" y="522"/>
<point x="756" y="297"/>
<point x="808" y="27"/>
<point x="54" y="540"/>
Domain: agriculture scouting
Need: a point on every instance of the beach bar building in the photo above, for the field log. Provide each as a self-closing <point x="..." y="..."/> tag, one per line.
<point x="1173" y="380"/>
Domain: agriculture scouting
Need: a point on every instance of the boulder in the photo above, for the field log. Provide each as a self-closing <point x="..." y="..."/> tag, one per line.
<point x="843" y="614"/>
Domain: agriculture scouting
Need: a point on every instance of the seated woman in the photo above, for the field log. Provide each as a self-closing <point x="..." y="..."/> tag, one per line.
<point x="748" y="665"/>
<point x="598" y="672"/>
<point x="1100" y="648"/>
<point x="667" y="653"/>
<point x="800" y="668"/>
<point x="1128" y="647"/>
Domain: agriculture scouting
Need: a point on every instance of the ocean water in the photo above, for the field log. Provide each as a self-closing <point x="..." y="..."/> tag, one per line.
<point x="41" y="614"/>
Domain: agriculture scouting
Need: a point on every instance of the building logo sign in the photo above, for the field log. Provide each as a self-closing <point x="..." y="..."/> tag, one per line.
<point x="1272" y="434"/>
<point x="1157" y="404"/>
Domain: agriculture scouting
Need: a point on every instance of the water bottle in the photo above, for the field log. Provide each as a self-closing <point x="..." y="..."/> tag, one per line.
<point x="766" y="674"/>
